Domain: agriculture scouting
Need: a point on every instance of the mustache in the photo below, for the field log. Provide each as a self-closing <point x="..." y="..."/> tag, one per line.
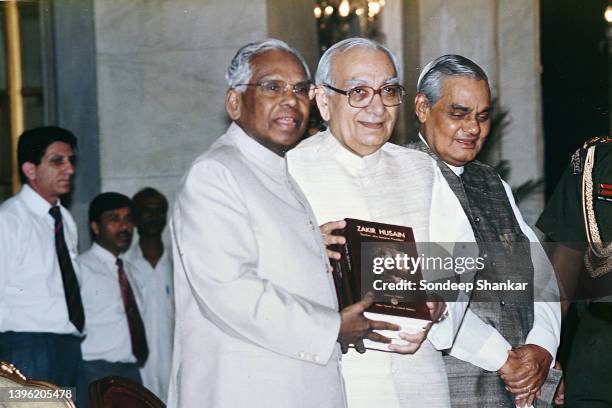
<point x="124" y="234"/>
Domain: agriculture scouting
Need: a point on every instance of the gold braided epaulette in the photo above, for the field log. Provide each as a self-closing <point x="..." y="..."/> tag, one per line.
<point x="596" y="140"/>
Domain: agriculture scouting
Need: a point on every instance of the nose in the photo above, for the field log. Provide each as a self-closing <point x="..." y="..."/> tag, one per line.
<point x="69" y="168"/>
<point x="376" y="105"/>
<point x="471" y="126"/>
<point x="289" y="97"/>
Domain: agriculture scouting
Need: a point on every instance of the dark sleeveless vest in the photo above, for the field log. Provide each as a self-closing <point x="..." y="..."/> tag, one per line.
<point x="507" y="255"/>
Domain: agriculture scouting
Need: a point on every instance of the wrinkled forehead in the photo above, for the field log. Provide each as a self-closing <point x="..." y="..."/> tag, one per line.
<point x="467" y="88"/>
<point x="277" y="64"/>
<point x="361" y="65"/>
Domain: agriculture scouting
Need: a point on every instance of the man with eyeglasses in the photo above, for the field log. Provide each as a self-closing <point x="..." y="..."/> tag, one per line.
<point x="350" y="171"/>
<point x="257" y="321"/>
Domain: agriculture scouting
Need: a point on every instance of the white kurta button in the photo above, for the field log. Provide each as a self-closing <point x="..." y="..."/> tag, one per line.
<point x="301" y="354"/>
<point x="315" y="358"/>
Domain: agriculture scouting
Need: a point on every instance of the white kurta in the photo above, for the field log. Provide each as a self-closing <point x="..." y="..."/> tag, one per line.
<point x="393" y="185"/>
<point x="157" y="289"/>
<point x="256" y="313"/>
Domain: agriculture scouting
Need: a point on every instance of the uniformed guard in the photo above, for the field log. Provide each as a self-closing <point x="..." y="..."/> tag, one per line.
<point x="579" y="218"/>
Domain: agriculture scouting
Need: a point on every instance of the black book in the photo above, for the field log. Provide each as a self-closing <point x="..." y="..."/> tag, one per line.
<point x="377" y="258"/>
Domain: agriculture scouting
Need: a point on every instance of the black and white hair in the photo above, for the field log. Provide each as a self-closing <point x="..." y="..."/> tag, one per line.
<point x="324" y="70"/>
<point x="240" y="70"/>
<point x="433" y="75"/>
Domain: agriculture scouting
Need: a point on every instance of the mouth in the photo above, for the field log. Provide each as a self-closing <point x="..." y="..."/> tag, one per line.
<point x="287" y="122"/>
<point x="123" y="236"/>
<point x="467" y="144"/>
<point x="371" y="125"/>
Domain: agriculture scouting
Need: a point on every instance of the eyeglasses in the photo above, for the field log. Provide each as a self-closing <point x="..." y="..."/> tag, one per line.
<point x="361" y="96"/>
<point x="275" y="88"/>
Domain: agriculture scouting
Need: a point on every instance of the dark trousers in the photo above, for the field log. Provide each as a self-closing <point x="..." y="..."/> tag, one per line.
<point x="588" y="371"/>
<point x="96" y="369"/>
<point x="43" y="356"/>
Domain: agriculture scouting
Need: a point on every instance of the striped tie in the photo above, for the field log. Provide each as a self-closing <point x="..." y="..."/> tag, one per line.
<point x="71" y="285"/>
<point x="137" y="330"/>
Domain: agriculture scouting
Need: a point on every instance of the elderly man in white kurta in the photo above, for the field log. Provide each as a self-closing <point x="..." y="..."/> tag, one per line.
<point x="350" y="171"/>
<point x="257" y="321"/>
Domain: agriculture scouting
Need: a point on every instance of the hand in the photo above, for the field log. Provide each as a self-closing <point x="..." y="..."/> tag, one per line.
<point x="525" y="382"/>
<point x="512" y="368"/>
<point x="414" y="341"/>
<point x="436" y="309"/>
<point x="355" y="326"/>
<point x="560" y="394"/>
<point x="329" y="239"/>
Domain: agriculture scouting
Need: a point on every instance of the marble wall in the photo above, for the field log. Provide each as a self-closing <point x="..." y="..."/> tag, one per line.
<point x="161" y="86"/>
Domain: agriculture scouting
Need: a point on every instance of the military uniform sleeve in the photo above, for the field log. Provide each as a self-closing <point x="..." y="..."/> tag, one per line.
<point x="562" y="218"/>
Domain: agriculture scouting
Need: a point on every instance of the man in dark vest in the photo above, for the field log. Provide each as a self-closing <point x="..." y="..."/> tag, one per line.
<point x="578" y="218"/>
<point x="507" y="343"/>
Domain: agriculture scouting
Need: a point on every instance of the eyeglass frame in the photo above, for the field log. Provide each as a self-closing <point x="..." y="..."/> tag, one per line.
<point x="287" y="84"/>
<point x="375" y="92"/>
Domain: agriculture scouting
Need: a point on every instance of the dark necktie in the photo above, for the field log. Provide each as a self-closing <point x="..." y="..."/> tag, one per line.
<point x="137" y="330"/>
<point x="71" y="285"/>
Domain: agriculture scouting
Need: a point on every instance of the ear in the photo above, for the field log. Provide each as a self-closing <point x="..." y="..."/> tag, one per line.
<point x="322" y="99"/>
<point x="29" y="169"/>
<point x="233" y="104"/>
<point x="94" y="228"/>
<point x="421" y="107"/>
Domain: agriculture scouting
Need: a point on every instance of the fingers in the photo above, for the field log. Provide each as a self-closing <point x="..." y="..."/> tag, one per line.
<point x="328" y="227"/>
<point x="377" y="337"/>
<point x="360" y="347"/>
<point x="333" y="254"/>
<point x="344" y="347"/>
<point x="560" y="395"/>
<point x="364" y="303"/>
<point x="330" y="239"/>
<point x="414" y="341"/>
<point x="404" y="348"/>
<point x="380" y="325"/>
<point x="531" y="399"/>
<point x="333" y="240"/>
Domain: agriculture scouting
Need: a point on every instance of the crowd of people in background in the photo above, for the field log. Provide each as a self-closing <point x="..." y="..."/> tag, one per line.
<point x="257" y="318"/>
<point x="73" y="319"/>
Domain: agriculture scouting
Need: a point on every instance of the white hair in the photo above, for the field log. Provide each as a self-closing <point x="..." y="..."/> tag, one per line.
<point x="324" y="75"/>
<point x="240" y="70"/>
<point x="433" y="75"/>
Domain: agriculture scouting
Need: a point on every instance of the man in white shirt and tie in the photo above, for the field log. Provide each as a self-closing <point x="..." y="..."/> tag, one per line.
<point x="507" y="339"/>
<point x="41" y="313"/>
<point x="116" y="342"/>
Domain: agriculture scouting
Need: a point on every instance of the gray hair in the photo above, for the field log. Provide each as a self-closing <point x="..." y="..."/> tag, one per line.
<point x="324" y="75"/>
<point x="433" y="75"/>
<point x="240" y="69"/>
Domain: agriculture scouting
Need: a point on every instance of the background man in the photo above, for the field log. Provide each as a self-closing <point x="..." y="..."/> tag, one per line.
<point x="41" y="314"/>
<point x="257" y="320"/>
<point x="152" y="268"/>
<point x="116" y="343"/>
<point x="579" y="218"/>
<point x="351" y="171"/>
<point x="453" y="104"/>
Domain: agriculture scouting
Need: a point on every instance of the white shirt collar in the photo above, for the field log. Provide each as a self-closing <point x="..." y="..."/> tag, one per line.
<point x="104" y="254"/>
<point x="347" y="157"/>
<point x="458" y="170"/>
<point x="35" y="202"/>
<point x="254" y="150"/>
